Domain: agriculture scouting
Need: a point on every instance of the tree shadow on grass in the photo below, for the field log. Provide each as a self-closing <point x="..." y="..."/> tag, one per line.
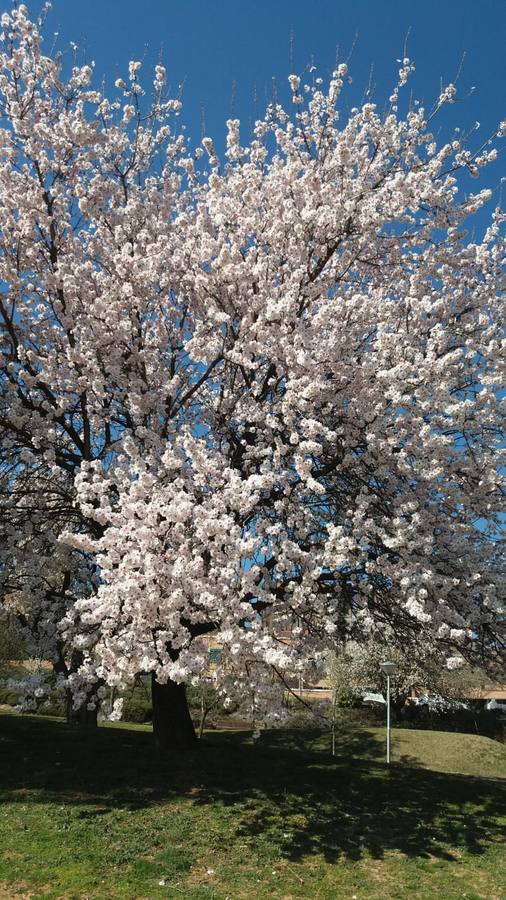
<point x="296" y="803"/>
<point x="350" y="742"/>
<point x="406" y="760"/>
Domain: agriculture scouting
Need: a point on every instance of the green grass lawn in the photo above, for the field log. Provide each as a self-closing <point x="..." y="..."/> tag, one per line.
<point x="104" y="817"/>
<point x="441" y="751"/>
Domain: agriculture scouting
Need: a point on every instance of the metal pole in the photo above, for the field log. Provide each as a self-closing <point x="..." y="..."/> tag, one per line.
<point x="388" y="718"/>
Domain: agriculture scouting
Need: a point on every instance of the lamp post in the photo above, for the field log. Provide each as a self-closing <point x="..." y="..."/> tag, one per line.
<point x="389" y="669"/>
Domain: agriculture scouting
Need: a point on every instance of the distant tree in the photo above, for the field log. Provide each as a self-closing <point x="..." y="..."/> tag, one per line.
<point x="464" y="682"/>
<point x="358" y="668"/>
<point x="420" y="670"/>
<point x="271" y="385"/>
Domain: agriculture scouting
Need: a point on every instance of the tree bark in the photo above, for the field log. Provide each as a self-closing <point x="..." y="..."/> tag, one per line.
<point x="82" y="717"/>
<point x="172" y="723"/>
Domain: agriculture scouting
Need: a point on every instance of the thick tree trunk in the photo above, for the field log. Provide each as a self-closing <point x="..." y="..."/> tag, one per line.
<point x="82" y="718"/>
<point x="172" y="723"/>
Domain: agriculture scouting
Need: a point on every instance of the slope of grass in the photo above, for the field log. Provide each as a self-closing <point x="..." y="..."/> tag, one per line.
<point x="441" y="751"/>
<point x="104" y="817"/>
<point x="467" y="754"/>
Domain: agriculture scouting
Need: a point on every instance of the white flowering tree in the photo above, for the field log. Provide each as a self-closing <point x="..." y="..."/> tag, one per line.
<point x="273" y="381"/>
<point x="358" y="668"/>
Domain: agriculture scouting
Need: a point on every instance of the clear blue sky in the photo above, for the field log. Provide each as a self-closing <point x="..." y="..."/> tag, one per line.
<point x="225" y="52"/>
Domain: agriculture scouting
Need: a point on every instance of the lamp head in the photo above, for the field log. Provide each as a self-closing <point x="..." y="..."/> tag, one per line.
<point x="388" y="667"/>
